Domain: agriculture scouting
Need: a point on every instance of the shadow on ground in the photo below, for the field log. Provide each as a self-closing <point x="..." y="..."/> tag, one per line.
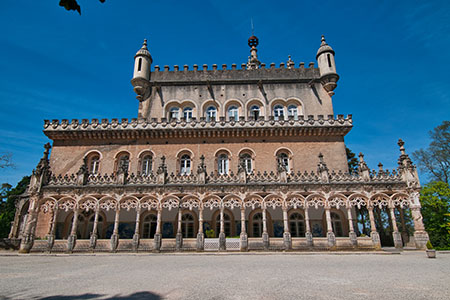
<point x="134" y="296"/>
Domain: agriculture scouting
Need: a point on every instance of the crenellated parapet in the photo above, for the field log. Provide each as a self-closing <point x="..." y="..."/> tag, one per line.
<point x="143" y="128"/>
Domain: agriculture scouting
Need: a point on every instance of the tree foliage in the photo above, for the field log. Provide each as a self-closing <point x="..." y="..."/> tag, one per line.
<point x="435" y="160"/>
<point x="8" y="204"/>
<point x="435" y="201"/>
<point x="352" y="161"/>
<point x="73" y="5"/>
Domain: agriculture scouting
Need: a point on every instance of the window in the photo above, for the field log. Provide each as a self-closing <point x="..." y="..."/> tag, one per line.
<point x="187" y="114"/>
<point x="257" y="225"/>
<point x="283" y="161"/>
<point x="223" y="164"/>
<point x="94" y="164"/>
<point x="329" y="60"/>
<point x="149" y="227"/>
<point x="124" y="162"/>
<point x="174" y="113"/>
<point x="297" y="225"/>
<point x="211" y="114"/>
<point x="91" y="226"/>
<point x="278" y="112"/>
<point x="187" y="226"/>
<point x="255" y="111"/>
<point x="293" y="111"/>
<point x="226" y="223"/>
<point x="146" y="167"/>
<point x="336" y="223"/>
<point x="233" y="113"/>
<point x="185" y="165"/>
<point x="139" y="64"/>
<point x="246" y="160"/>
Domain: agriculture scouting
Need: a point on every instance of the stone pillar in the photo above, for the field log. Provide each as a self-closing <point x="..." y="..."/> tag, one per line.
<point x="28" y="236"/>
<point x="287" y="240"/>
<point x="94" y="233"/>
<point x="51" y="231"/>
<point x="351" y="229"/>
<point x="115" y="235"/>
<point x="157" y="236"/>
<point x="200" y="235"/>
<point x="405" y="234"/>
<point x="179" y="236"/>
<point x="136" y="236"/>
<point x="420" y="235"/>
<point x="71" y="241"/>
<point x="330" y="234"/>
<point x="222" y="238"/>
<point x="395" y="234"/>
<point x="308" y="233"/>
<point x="265" y="235"/>
<point x="243" y="237"/>
<point x="373" y="229"/>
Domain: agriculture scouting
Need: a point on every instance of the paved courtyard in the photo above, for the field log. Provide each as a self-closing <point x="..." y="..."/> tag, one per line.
<point x="240" y="276"/>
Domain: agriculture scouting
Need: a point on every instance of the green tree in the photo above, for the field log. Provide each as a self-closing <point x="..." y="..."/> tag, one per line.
<point x="352" y="161"/>
<point x="73" y="5"/>
<point x="435" y="160"/>
<point x="435" y="201"/>
<point x="8" y="204"/>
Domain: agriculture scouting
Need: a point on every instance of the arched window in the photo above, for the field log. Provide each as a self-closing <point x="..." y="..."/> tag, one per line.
<point x="123" y="162"/>
<point x="187" y="114"/>
<point x="278" y="112"/>
<point x="174" y="113"/>
<point x="336" y="222"/>
<point x="187" y="226"/>
<point x="94" y="164"/>
<point x="255" y="111"/>
<point x="293" y="111"/>
<point x="226" y="223"/>
<point x="149" y="227"/>
<point x="296" y="225"/>
<point x="247" y="162"/>
<point x="233" y="113"/>
<point x="185" y="165"/>
<point x="211" y="114"/>
<point x="91" y="226"/>
<point x="146" y="165"/>
<point x="223" y="164"/>
<point x="283" y="161"/>
<point x="257" y="222"/>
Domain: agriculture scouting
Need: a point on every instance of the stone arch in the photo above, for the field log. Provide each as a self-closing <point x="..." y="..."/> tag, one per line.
<point x="195" y="217"/>
<point x="298" y="103"/>
<point x="88" y="203"/>
<point x="129" y="202"/>
<point x="379" y="200"/>
<point x="215" y="222"/>
<point x="337" y="200"/>
<point x="67" y="203"/>
<point x="208" y="103"/>
<point x="149" y="202"/>
<point x="359" y="200"/>
<point x="268" y="222"/>
<point x="273" y="201"/>
<point x="295" y="201"/>
<point x="400" y="200"/>
<point x="108" y="203"/>
<point x="190" y="202"/>
<point x="253" y="201"/>
<point x="255" y="101"/>
<point x="119" y="155"/>
<point x="343" y="220"/>
<point x="315" y="200"/>
<point x="231" y="201"/>
<point x="170" y="202"/>
<point x="228" y="103"/>
<point x="211" y="202"/>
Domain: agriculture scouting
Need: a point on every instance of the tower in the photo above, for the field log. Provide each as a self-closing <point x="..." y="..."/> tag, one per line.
<point x="141" y="76"/>
<point x="327" y="67"/>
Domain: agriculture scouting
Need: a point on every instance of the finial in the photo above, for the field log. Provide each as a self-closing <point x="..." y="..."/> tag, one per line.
<point x="163" y="159"/>
<point x="361" y="156"/>
<point x="321" y="157"/>
<point x="323" y="42"/>
<point x="145" y="43"/>
<point x="400" y="144"/>
<point x="380" y="166"/>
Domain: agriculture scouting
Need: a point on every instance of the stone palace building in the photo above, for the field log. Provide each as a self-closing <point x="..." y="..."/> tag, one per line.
<point x="225" y="158"/>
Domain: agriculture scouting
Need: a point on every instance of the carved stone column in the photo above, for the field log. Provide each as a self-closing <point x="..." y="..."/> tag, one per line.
<point x="179" y="236"/>
<point x="200" y="235"/>
<point x="51" y="232"/>
<point x="420" y="235"/>
<point x="351" y="229"/>
<point x="287" y="240"/>
<point x="94" y="233"/>
<point x="28" y="236"/>
<point x="136" y="236"/>
<point x="330" y="234"/>
<point x="72" y="240"/>
<point x="405" y="234"/>
<point x="308" y="233"/>
<point x="115" y="235"/>
<point x="265" y="235"/>
<point x="157" y="236"/>
<point x="222" y="238"/>
<point x="395" y="233"/>
<point x="243" y="242"/>
<point x="373" y="229"/>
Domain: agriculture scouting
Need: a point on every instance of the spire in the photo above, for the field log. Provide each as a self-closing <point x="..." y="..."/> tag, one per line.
<point x="253" y="62"/>
<point x="144" y="50"/>
<point x="324" y="47"/>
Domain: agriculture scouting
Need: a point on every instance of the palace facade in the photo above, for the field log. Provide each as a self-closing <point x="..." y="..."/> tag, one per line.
<point x="221" y="159"/>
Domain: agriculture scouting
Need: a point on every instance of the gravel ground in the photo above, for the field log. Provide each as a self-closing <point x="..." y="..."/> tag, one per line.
<point x="410" y="275"/>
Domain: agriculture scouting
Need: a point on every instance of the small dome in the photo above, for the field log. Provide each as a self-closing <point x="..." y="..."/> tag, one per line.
<point x="144" y="50"/>
<point x="253" y="41"/>
<point x="324" y="47"/>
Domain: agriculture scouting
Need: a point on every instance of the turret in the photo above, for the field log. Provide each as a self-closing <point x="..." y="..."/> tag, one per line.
<point x="253" y="62"/>
<point x="327" y="67"/>
<point x="141" y="76"/>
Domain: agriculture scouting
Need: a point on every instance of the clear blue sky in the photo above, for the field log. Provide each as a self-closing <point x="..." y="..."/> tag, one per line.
<point x="392" y="56"/>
